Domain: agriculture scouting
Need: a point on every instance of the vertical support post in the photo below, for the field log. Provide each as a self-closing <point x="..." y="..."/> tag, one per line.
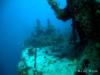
<point x="35" y="63"/>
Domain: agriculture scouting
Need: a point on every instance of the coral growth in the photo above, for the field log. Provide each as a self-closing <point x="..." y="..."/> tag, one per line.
<point x="85" y="16"/>
<point x="45" y="64"/>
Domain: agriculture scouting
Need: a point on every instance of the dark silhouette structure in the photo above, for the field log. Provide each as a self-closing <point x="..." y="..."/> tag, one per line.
<point x="85" y="16"/>
<point x="82" y="13"/>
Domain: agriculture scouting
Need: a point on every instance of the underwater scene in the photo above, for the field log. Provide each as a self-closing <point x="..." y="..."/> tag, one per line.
<point x="49" y="37"/>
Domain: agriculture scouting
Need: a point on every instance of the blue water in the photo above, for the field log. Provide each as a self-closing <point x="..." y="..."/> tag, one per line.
<point x="17" y="18"/>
